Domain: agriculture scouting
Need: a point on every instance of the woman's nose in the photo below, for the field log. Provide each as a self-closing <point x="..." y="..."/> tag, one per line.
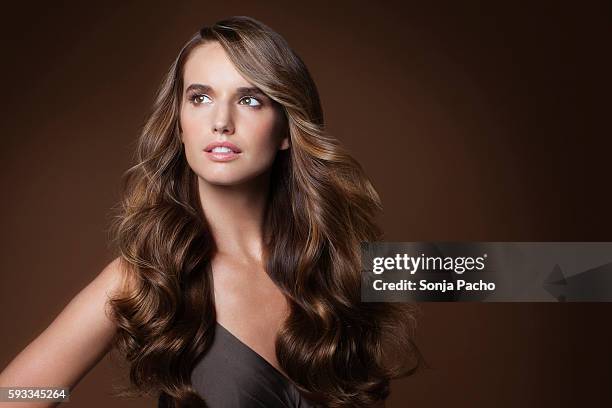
<point x="222" y="121"/>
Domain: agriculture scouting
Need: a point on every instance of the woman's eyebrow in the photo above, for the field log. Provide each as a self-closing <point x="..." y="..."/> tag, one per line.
<point x="250" y="91"/>
<point x="199" y="87"/>
<point x="245" y="90"/>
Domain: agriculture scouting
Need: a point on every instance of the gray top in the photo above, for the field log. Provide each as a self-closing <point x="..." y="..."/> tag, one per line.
<point x="232" y="375"/>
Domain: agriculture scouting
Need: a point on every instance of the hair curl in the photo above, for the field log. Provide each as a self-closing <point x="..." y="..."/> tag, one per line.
<point x="338" y="351"/>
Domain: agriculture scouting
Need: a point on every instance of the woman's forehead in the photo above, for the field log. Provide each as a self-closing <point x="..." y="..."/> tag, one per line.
<point x="209" y="64"/>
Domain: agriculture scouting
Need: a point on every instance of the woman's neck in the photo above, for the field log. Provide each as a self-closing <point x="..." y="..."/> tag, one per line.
<point x="235" y="215"/>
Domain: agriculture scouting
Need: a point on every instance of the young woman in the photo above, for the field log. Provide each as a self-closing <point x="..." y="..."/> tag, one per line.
<point x="237" y="281"/>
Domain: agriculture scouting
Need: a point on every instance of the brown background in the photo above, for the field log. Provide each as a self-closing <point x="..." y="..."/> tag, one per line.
<point x="475" y="122"/>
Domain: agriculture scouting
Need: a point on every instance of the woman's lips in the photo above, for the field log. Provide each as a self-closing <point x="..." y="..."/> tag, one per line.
<point x="225" y="144"/>
<point x="222" y="157"/>
<point x="222" y="151"/>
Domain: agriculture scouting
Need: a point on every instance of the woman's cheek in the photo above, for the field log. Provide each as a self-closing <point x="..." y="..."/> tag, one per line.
<point x="190" y="155"/>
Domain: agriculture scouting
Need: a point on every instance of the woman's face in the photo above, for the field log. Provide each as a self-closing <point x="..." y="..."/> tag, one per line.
<point x="220" y="106"/>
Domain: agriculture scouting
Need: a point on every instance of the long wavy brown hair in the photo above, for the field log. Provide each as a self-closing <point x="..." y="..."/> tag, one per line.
<point x="338" y="351"/>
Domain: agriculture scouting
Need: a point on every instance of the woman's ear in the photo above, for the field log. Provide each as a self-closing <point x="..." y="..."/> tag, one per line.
<point x="284" y="143"/>
<point x="285" y="132"/>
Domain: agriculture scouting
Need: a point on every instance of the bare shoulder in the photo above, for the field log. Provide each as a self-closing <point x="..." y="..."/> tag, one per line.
<point x="114" y="278"/>
<point x="77" y="338"/>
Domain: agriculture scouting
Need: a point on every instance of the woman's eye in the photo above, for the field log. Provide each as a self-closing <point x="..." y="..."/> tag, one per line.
<point x="198" y="99"/>
<point x="249" y="100"/>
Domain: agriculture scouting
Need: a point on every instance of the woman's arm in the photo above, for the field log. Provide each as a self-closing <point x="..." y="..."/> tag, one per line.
<point x="73" y="343"/>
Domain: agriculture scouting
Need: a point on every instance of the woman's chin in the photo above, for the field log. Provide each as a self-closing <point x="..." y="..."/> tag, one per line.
<point x="225" y="181"/>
